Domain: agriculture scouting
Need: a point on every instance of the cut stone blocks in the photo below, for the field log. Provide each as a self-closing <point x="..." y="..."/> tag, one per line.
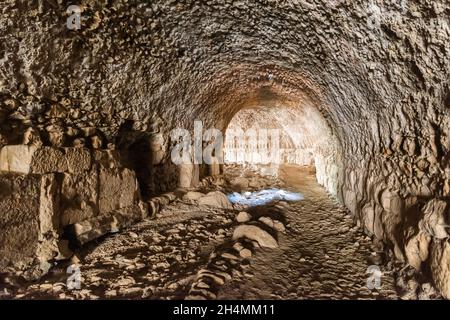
<point x="41" y="160"/>
<point x="16" y="158"/>
<point x="29" y="221"/>
<point x="117" y="189"/>
<point x="45" y="190"/>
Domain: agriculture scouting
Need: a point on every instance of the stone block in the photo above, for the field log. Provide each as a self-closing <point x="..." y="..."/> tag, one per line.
<point x="110" y="222"/>
<point x="118" y="189"/>
<point x="78" y="159"/>
<point x="79" y="197"/>
<point x="16" y="158"/>
<point x="48" y="160"/>
<point x="29" y="220"/>
<point x="42" y="160"/>
<point x="255" y="233"/>
<point x="216" y="199"/>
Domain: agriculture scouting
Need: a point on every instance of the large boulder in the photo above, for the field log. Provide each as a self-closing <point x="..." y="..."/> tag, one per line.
<point x="240" y="183"/>
<point x="216" y="199"/>
<point x="257" y="234"/>
<point x="193" y="195"/>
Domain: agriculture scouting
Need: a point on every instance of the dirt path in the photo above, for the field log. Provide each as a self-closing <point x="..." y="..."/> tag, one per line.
<point x="321" y="255"/>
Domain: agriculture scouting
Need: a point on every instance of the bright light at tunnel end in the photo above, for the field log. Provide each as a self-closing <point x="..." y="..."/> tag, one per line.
<point x="262" y="197"/>
<point x="261" y="146"/>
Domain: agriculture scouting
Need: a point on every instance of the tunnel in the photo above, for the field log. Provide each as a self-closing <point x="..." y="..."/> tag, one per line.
<point x="98" y="97"/>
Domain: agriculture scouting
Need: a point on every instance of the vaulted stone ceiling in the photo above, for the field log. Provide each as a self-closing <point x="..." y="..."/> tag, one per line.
<point x="376" y="71"/>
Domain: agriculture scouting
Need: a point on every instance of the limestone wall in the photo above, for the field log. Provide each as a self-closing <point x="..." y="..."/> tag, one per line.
<point x="48" y="194"/>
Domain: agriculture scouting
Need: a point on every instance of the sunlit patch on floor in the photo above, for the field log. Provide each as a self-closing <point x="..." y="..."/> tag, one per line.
<point x="263" y="197"/>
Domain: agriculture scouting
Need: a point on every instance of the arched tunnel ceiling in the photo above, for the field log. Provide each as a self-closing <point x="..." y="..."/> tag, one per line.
<point x="375" y="72"/>
<point x="134" y="59"/>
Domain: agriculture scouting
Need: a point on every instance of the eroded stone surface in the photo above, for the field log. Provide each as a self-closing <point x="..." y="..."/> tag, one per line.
<point x="363" y="86"/>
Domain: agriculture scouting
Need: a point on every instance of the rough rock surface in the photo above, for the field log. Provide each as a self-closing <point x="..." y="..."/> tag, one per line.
<point x="56" y="193"/>
<point x="365" y="83"/>
<point x="216" y="199"/>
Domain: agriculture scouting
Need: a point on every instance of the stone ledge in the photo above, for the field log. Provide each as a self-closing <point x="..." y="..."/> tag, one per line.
<point x="111" y="222"/>
<point x="42" y="160"/>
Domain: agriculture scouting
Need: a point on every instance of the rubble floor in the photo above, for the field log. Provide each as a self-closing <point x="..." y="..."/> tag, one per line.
<point x="321" y="255"/>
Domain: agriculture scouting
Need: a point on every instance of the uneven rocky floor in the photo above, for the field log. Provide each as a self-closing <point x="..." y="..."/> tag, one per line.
<point x="188" y="252"/>
<point x="321" y="255"/>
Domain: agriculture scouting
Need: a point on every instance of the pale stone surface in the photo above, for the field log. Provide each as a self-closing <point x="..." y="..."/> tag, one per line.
<point x="16" y="158"/>
<point x="117" y="189"/>
<point x="193" y="195"/>
<point x="243" y="217"/>
<point x="216" y="199"/>
<point x="279" y="226"/>
<point x="245" y="253"/>
<point x="440" y="266"/>
<point x="29" y="209"/>
<point x="253" y="232"/>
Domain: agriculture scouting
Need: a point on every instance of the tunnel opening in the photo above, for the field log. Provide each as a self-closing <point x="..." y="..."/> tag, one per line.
<point x="274" y="129"/>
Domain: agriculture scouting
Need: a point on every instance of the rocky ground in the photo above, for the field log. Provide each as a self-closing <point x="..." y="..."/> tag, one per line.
<point x="202" y="247"/>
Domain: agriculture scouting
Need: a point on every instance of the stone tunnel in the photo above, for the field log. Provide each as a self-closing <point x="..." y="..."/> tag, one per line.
<point x="92" y="91"/>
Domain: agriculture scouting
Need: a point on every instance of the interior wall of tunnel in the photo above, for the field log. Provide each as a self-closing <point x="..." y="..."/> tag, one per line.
<point x="382" y="89"/>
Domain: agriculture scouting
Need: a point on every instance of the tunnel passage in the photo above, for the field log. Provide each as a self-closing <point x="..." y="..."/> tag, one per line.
<point x="376" y="72"/>
<point x="271" y="130"/>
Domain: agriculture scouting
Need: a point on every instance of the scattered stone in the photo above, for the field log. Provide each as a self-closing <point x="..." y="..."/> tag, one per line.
<point x="245" y="253"/>
<point x="240" y="183"/>
<point x="243" y="217"/>
<point x="252" y="232"/>
<point x="216" y="199"/>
